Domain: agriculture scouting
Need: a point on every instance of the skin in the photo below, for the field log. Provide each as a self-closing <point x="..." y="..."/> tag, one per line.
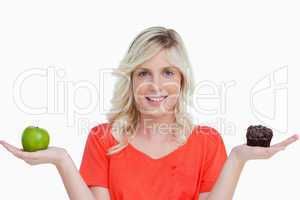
<point x="155" y="77"/>
<point x="151" y="140"/>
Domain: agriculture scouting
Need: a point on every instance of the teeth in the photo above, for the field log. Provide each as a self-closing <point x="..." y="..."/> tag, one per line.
<point x="156" y="99"/>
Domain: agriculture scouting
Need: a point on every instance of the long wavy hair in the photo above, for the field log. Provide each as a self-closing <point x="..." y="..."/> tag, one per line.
<point x="124" y="115"/>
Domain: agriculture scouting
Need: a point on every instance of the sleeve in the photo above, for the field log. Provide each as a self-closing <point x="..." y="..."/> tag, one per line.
<point x="214" y="161"/>
<point x="94" y="164"/>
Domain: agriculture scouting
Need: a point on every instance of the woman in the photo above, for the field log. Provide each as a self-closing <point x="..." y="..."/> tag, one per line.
<point x="150" y="149"/>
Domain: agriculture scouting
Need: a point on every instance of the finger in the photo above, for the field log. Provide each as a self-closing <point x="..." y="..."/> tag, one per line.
<point x="9" y="147"/>
<point x="263" y="152"/>
<point x="31" y="161"/>
<point x="287" y="142"/>
<point x="18" y="152"/>
<point x="274" y="150"/>
<point x="2" y="142"/>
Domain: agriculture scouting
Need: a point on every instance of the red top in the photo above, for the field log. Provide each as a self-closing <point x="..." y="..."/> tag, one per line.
<point x="132" y="175"/>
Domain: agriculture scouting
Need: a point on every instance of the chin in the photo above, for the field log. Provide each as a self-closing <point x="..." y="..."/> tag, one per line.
<point x="156" y="113"/>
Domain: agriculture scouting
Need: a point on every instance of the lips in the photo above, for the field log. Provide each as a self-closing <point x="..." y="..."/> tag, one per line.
<point x="156" y="98"/>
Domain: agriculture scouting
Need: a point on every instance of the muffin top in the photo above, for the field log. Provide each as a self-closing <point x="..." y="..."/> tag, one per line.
<point x="259" y="132"/>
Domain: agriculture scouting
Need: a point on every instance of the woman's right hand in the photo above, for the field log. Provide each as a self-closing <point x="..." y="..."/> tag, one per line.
<point x="73" y="182"/>
<point x="52" y="155"/>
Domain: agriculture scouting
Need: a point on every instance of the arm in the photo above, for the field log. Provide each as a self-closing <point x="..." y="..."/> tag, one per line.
<point x="232" y="168"/>
<point x="227" y="181"/>
<point x="76" y="188"/>
<point x="203" y="196"/>
<point x="100" y="193"/>
<point x="73" y="182"/>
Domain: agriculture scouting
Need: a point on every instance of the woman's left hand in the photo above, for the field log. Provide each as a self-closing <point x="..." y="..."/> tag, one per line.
<point x="244" y="152"/>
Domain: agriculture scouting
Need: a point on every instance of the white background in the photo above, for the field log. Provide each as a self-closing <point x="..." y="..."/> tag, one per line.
<point x="248" y="43"/>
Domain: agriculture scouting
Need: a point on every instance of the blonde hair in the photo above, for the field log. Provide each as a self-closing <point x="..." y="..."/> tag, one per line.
<point x="123" y="115"/>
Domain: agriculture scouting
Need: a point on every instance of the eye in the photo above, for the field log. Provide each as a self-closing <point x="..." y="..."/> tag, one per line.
<point x="143" y="73"/>
<point x="169" y="73"/>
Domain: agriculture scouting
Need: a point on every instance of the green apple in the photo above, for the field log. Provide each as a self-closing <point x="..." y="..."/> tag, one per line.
<point x="34" y="139"/>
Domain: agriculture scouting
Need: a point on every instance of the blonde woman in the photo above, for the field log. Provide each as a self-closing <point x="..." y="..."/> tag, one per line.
<point x="149" y="148"/>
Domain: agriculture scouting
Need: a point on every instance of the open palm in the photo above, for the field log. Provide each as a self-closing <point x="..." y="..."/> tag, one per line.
<point x="245" y="152"/>
<point x="55" y="154"/>
<point x="51" y="155"/>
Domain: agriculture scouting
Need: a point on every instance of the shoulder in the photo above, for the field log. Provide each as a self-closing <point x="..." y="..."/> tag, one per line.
<point x="208" y="135"/>
<point x="101" y="135"/>
<point x="211" y="143"/>
<point x="101" y="130"/>
<point x="207" y="131"/>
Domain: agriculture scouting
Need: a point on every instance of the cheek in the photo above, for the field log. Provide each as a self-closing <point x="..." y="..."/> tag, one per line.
<point x="173" y="89"/>
<point x="139" y="90"/>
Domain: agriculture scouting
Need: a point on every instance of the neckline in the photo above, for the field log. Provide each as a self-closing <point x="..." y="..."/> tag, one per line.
<point x="149" y="157"/>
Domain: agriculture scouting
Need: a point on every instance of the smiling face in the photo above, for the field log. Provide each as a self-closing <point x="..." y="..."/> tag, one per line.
<point x="156" y="86"/>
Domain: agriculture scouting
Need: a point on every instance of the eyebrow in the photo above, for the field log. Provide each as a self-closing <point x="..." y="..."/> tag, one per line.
<point x="149" y="69"/>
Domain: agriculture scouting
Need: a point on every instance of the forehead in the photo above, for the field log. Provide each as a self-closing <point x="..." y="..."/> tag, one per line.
<point x="158" y="61"/>
<point x="154" y="68"/>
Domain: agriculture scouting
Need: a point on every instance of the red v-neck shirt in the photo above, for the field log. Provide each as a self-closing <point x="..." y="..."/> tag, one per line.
<point x="133" y="175"/>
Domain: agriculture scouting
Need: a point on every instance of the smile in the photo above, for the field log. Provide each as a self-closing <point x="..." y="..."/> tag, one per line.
<point x="156" y="99"/>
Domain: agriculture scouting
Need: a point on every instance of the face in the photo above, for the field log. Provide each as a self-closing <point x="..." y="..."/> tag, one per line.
<point x="156" y="86"/>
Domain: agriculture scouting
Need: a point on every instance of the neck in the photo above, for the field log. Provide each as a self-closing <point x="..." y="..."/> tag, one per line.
<point x="156" y="128"/>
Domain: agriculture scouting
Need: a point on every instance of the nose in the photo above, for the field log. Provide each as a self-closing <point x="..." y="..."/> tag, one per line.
<point x="156" y="84"/>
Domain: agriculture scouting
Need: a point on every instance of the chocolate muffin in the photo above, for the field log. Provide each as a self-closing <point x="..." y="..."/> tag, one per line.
<point x="259" y="136"/>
